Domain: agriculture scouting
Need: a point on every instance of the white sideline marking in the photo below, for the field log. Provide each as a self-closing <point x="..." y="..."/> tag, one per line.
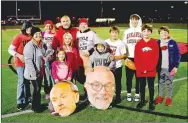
<point x="29" y="111"/>
<point x="16" y="113"/>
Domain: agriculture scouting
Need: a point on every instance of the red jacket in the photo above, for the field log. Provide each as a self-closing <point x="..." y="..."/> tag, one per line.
<point x="146" y="58"/>
<point x="58" y="37"/>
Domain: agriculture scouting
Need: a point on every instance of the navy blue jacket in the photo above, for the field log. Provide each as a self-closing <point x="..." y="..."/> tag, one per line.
<point x="174" y="55"/>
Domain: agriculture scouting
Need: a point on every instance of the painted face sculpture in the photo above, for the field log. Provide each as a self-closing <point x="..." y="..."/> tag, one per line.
<point x="64" y="97"/>
<point x="100" y="85"/>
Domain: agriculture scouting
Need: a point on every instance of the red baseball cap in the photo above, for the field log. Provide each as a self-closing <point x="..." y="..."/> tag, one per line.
<point x="48" y="22"/>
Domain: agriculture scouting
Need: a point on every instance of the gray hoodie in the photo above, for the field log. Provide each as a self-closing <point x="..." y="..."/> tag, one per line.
<point x="101" y="59"/>
<point x="33" y="56"/>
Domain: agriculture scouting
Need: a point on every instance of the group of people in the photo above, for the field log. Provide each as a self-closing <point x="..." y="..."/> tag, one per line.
<point x="65" y="53"/>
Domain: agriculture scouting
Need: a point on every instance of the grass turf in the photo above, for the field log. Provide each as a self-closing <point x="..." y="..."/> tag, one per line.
<point x="179" y="104"/>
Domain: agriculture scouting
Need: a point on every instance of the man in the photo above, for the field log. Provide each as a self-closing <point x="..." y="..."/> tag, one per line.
<point x="16" y="49"/>
<point x="100" y="85"/>
<point x="64" y="97"/>
<point x="64" y="27"/>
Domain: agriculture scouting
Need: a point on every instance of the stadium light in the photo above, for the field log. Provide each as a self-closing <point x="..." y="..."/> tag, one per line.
<point x="185" y="2"/>
<point x="172" y="7"/>
<point x="113" y="9"/>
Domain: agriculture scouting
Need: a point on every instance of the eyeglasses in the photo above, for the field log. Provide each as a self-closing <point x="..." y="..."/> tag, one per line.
<point x="96" y="86"/>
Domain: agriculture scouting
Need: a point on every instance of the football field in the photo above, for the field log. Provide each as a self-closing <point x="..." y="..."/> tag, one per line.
<point x="124" y="112"/>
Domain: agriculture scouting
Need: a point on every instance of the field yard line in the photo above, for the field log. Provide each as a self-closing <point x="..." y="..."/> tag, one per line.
<point x="29" y="111"/>
<point x="16" y="113"/>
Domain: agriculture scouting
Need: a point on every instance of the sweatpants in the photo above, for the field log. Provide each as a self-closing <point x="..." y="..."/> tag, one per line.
<point x="129" y="77"/>
<point x="165" y="78"/>
<point x="118" y="74"/>
<point x="142" y="81"/>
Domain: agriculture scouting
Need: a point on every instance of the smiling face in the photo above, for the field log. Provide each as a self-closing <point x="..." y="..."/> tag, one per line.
<point x="66" y="22"/>
<point x="28" y="30"/>
<point x="64" y="99"/>
<point x="164" y="35"/>
<point x="61" y="56"/>
<point x="37" y="36"/>
<point x="100" y="87"/>
<point x="83" y="26"/>
<point x="146" y="33"/>
<point x="114" y="35"/>
<point x="67" y="38"/>
<point x="48" y="27"/>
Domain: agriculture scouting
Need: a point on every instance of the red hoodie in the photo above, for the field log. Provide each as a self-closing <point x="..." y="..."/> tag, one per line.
<point x="146" y="58"/>
<point x="58" y="37"/>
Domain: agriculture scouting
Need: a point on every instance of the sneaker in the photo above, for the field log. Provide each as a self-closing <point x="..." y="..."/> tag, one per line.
<point x="110" y="107"/>
<point x="168" y="101"/>
<point x="151" y="106"/>
<point x="159" y="100"/>
<point x="129" y="98"/>
<point x="20" y="106"/>
<point x="47" y="96"/>
<point x="54" y="113"/>
<point x="137" y="98"/>
<point x="91" y="105"/>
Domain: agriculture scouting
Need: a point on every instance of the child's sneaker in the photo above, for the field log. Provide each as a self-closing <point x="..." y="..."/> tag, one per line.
<point x="54" y="113"/>
<point x="159" y="100"/>
<point x="168" y="101"/>
<point x="47" y="96"/>
<point x="137" y="98"/>
<point x="129" y="98"/>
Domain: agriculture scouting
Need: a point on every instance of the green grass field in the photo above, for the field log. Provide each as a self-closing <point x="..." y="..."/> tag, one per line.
<point x="88" y="114"/>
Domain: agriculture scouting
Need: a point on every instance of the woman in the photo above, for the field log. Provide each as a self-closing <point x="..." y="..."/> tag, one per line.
<point x="33" y="56"/>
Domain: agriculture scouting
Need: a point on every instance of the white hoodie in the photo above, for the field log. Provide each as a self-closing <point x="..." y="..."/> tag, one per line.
<point x="131" y="36"/>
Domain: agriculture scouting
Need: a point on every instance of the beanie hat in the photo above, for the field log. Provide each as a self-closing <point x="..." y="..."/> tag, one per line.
<point x="83" y="20"/>
<point x="34" y="30"/>
<point x="26" y="25"/>
<point x="48" y="22"/>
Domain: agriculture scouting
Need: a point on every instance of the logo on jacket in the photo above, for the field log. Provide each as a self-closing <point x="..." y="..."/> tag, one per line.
<point x="146" y="49"/>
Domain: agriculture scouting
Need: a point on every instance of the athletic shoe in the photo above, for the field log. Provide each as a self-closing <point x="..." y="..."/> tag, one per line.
<point x="168" y="101"/>
<point x="151" y="106"/>
<point x="137" y="98"/>
<point x="20" y="107"/>
<point x="129" y="98"/>
<point x="159" y="100"/>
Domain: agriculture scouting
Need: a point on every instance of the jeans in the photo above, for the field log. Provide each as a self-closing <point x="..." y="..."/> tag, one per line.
<point x="23" y="89"/>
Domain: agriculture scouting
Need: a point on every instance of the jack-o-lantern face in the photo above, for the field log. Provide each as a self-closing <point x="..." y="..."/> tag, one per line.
<point x="64" y="98"/>
<point x="100" y="85"/>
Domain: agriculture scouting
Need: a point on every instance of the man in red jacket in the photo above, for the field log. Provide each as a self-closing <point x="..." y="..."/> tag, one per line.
<point x="146" y="59"/>
<point x="62" y="29"/>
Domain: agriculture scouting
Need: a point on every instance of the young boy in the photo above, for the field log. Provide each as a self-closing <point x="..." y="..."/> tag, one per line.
<point x="118" y="53"/>
<point x="101" y="56"/>
<point x="130" y="38"/>
<point x="169" y="59"/>
<point x="146" y="58"/>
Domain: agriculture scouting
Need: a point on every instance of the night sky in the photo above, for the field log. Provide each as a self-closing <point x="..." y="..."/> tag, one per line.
<point x="92" y="9"/>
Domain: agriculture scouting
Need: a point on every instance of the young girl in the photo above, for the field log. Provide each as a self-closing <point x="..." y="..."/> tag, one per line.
<point x="71" y="53"/>
<point x="61" y="69"/>
<point x="47" y="39"/>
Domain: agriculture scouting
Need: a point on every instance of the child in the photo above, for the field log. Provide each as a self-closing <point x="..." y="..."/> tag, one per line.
<point x="101" y="56"/>
<point x="118" y="53"/>
<point x="71" y="53"/>
<point x="47" y="39"/>
<point x="146" y="58"/>
<point x="61" y="69"/>
<point x="169" y="59"/>
<point x="130" y="38"/>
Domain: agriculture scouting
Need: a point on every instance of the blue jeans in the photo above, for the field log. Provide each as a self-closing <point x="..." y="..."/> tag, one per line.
<point x="23" y="90"/>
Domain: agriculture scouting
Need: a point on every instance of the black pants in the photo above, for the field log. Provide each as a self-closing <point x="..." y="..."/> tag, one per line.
<point x="36" y="95"/>
<point x="129" y="77"/>
<point x="142" y="81"/>
<point x="118" y="74"/>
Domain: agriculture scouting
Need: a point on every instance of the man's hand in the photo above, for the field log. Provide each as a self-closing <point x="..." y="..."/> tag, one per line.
<point x="21" y="57"/>
<point x="174" y="71"/>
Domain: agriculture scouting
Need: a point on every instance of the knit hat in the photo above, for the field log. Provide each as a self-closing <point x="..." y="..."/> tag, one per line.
<point x="83" y="20"/>
<point x="48" y="22"/>
<point x="34" y="30"/>
<point x="26" y="25"/>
